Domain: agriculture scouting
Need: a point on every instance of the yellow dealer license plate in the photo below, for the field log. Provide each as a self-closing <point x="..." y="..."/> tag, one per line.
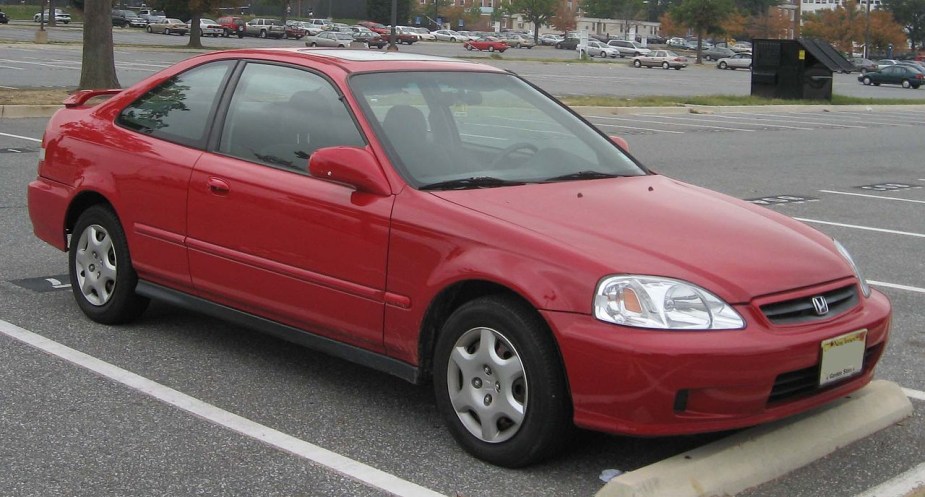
<point x="842" y="357"/>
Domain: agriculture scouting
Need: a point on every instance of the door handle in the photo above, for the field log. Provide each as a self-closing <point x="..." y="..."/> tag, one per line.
<point x="218" y="187"/>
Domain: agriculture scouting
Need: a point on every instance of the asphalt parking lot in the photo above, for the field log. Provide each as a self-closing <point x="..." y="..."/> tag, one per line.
<point x="850" y="173"/>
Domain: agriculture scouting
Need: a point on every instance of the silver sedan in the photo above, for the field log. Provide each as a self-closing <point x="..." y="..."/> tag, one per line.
<point x="329" y="39"/>
<point x="737" y="61"/>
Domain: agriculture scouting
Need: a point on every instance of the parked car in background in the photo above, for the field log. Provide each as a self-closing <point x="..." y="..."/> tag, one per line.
<point x="295" y="30"/>
<point x="365" y="35"/>
<point x="265" y="28"/>
<point x="208" y="27"/>
<point x="416" y="229"/>
<point x="515" y="40"/>
<point x="150" y="14"/>
<point x="863" y="65"/>
<point x="882" y="63"/>
<point x="738" y="61"/>
<point x="124" y="18"/>
<point x="905" y="76"/>
<point x="568" y="43"/>
<point x="424" y="34"/>
<point x="449" y="35"/>
<point x="550" y="39"/>
<point x="487" y="43"/>
<point x="324" y="24"/>
<point x="598" y="49"/>
<point x="915" y="64"/>
<point x="627" y="48"/>
<point x="742" y="46"/>
<point x="168" y="26"/>
<point x="329" y="39"/>
<point x="232" y="26"/>
<point x="716" y="53"/>
<point x="661" y="58"/>
<point x="60" y="16"/>
<point x="676" y="42"/>
<point x="375" y="27"/>
<point x="3" y="18"/>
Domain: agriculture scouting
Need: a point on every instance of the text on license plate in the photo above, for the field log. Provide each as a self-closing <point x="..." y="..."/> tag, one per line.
<point x="842" y="356"/>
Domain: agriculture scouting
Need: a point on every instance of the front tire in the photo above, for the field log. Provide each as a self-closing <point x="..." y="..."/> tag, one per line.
<point x="665" y="65"/>
<point x="637" y="64"/>
<point x="100" y="267"/>
<point x="866" y="81"/>
<point x="499" y="383"/>
<point x="723" y="65"/>
<point x="907" y="84"/>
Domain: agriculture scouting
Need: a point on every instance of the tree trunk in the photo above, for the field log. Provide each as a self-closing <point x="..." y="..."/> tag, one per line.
<point x="195" y="40"/>
<point x="98" y="69"/>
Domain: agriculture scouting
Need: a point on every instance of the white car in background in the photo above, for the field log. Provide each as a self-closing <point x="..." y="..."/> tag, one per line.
<point x="449" y="35"/>
<point x="598" y="49"/>
<point x="208" y="27"/>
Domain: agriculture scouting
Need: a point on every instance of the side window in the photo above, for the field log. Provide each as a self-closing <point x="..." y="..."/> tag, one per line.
<point x="280" y="115"/>
<point x="179" y="109"/>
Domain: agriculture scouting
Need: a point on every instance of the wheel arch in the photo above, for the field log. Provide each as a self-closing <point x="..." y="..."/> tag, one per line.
<point x="453" y="297"/>
<point x="81" y="202"/>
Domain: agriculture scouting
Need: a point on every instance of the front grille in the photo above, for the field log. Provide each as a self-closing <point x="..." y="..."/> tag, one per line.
<point x="802" y="310"/>
<point x="805" y="381"/>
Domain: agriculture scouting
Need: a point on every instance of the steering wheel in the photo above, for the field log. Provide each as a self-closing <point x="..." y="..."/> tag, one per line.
<point x="511" y="149"/>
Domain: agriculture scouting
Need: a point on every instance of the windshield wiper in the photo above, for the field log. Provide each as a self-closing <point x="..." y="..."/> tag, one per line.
<point x="581" y="175"/>
<point x="468" y="183"/>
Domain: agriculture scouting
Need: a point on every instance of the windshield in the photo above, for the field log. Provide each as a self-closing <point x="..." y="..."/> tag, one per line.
<point x="482" y="129"/>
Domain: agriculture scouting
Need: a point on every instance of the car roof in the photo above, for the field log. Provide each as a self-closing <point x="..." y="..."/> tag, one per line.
<point x="356" y="61"/>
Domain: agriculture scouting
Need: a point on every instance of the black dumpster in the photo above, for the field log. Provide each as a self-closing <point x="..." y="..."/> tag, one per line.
<point x="795" y="69"/>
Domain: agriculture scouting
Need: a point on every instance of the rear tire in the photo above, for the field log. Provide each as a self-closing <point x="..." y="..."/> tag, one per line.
<point x="102" y="277"/>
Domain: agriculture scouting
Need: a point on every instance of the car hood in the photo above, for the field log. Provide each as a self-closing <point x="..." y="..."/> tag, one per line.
<point x="657" y="226"/>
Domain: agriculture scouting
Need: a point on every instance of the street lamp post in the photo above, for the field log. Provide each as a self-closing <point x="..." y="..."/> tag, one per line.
<point x="867" y="32"/>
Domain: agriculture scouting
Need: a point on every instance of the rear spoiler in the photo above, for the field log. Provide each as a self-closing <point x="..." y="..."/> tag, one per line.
<point x="79" y="98"/>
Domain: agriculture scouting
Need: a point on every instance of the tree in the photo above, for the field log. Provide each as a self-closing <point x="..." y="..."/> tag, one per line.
<point x="381" y="11"/>
<point x="911" y="15"/>
<point x="702" y="16"/>
<point x="842" y="26"/>
<point x="885" y="31"/>
<point x="539" y="12"/>
<point x="669" y="27"/>
<point x="776" y="23"/>
<point x="98" y="67"/>
<point x="564" y="20"/>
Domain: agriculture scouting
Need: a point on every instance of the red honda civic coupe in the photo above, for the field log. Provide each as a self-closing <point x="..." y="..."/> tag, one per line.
<point x="447" y="221"/>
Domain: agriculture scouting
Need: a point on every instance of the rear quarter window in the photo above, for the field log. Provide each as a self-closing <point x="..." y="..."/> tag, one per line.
<point x="179" y="110"/>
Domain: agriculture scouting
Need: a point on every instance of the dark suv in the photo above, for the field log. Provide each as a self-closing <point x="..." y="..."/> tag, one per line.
<point x="123" y="18"/>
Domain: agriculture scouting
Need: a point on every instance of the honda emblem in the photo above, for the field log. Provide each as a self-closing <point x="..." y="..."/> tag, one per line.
<point x="821" y="306"/>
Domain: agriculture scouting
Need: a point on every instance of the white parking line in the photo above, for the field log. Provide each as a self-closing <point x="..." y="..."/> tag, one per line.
<point x="760" y="122"/>
<point x="914" y="394"/>
<point x="317" y="455"/>
<point x="21" y="137"/>
<point x="635" y="120"/>
<point x="902" y="485"/>
<point x="867" y="228"/>
<point x="792" y="120"/>
<point x="723" y="118"/>
<point x="897" y="286"/>
<point x="671" y="122"/>
<point x="873" y="196"/>
<point x="637" y="127"/>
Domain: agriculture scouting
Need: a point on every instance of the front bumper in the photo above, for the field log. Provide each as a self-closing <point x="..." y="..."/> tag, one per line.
<point x="653" y="383"/>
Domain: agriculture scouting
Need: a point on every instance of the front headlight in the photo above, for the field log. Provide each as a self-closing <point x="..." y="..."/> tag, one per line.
<point x="865" y="288"/>
<point x="662" y="303"/>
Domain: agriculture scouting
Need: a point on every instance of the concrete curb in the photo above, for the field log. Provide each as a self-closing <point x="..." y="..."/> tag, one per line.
<point x="712" y="109"/>
<point x="758" y="455"/>
<point x="20" y="111"/>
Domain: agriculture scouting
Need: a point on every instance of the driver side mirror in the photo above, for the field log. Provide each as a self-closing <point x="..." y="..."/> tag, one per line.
<point x="351" y="166"/>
